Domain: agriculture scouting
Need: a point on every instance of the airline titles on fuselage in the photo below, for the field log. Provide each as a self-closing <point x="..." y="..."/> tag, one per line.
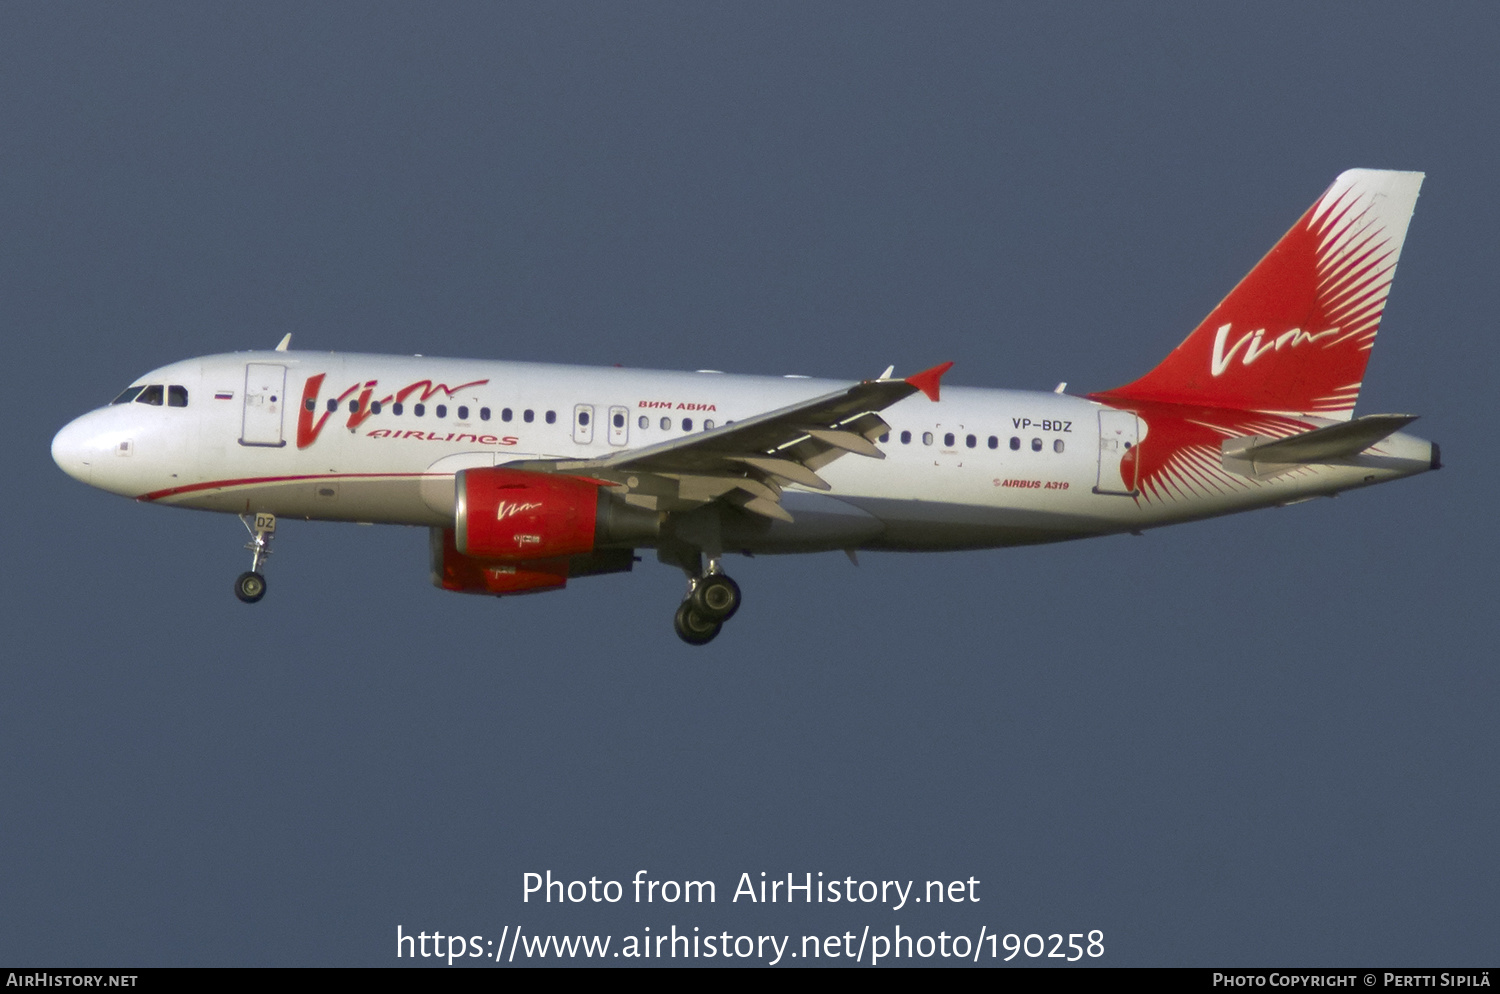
<point x="364" y="405"/>
<point x="432" y="436"/>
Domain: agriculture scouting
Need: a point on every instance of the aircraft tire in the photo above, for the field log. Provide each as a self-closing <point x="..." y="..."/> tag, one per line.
<point x="716" y="596"/>
<point x="250" y="587"/>
<point x="692" y="627"/>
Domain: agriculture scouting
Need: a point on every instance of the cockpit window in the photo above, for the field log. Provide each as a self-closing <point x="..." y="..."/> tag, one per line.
<point x="127" y="396"/>
<point x="150" y="395"/>
<point x="176" y="396"/>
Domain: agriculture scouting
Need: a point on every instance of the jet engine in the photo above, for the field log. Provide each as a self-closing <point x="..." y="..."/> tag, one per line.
<point x="522" y="515"/>
<point x="519" y="531"/>
<point x="452" y="570"/>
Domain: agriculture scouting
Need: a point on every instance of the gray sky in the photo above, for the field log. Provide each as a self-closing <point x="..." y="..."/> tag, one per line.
<point x="1267" y="739"/>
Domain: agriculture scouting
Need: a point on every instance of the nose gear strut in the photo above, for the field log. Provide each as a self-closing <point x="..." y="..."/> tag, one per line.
<point x="251" y="585"/>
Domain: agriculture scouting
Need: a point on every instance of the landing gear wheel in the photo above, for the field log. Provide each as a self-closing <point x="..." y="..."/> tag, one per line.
<point x="250" y="587"/>
<point x="716" y="596"/>
<point x="692" y="627"/>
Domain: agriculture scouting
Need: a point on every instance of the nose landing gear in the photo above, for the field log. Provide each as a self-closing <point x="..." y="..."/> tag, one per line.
<point x="250" y="586"/>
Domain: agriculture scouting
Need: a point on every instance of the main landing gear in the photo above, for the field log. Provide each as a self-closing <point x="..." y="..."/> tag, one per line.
<point x="712" y="600"/>
<point x="251" y="585"/>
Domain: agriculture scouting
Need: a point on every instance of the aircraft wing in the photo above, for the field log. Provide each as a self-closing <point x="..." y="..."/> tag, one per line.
<point x="749" y="461"/>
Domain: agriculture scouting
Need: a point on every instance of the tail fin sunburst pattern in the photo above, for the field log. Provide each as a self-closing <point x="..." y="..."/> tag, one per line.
<point x="1295" y="335"/>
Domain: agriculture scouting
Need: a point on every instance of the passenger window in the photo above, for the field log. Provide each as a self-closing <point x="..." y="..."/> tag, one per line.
<point x="687" y="424"/>
<point x="708" y="425"/>
<point x="442" y="410"/>
<point x="1057" y="446"/>
<point x="419" y="409"/>
<point x="666" y="424"/>
<point x="994" y="442"/>
<point x="151" y="395"/>
<point x="948" y="440"/>
<point x="528" y="416"/>
<point x="127" y="396"/>
<point x="1036" y="445"/>
<point x="971" y="441"/>
<point x="886" y="437"/>
<point x="333" y="405"/>
<point x="396" y="408"/>
<point x="353" y="407"/>
<point x="644" y="421"/>
<point x="583" y="418"/>
<point x="619" y="420"/>
<point x="310" y="404"/>
<point x="551" y="417"/>
<point x="463" y="414"/>
<point x="504" y="414"/>
<point x="926" y="438"/>
<point x="176" y="396"/>
<point x="484" y="414"/>
<point x="374" y="407"/>
<point x="1015" y="444"/>
<point x="906" y="438"/>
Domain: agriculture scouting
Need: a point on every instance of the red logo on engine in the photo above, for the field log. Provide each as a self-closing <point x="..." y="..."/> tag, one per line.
<point x="507" y="508"/>
<point x="520" y="514"/>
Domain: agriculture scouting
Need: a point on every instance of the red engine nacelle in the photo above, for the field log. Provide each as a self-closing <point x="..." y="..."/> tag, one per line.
<point x="452" y="570"/>
<point x="518" y="515"/>
<point x="517" y="531"/>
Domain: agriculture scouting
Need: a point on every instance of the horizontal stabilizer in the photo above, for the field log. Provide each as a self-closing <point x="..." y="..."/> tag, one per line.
<point x="1321" y="445"/>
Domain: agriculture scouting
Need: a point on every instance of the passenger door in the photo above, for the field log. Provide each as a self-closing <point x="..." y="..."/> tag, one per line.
<point x="265" y="396"/>
<point x="1119" y="433"/>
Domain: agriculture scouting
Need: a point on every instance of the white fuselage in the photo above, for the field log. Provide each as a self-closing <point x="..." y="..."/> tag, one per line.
<point x="979" y="468"/>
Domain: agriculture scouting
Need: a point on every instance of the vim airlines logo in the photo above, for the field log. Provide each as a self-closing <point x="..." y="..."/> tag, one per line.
<point x="1254" y="345"/>
<point x="308" y="430"/>
<point x="511" y="508"/>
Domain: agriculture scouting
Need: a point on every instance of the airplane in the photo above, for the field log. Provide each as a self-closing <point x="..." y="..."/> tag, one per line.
<point x="528" y="475"/>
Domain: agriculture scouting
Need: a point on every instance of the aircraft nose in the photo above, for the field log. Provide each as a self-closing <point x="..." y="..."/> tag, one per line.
<point x="73" y="451"/>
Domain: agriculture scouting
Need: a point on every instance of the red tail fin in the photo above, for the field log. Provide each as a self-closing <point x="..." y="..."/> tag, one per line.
<point x="1295" y="335"/>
